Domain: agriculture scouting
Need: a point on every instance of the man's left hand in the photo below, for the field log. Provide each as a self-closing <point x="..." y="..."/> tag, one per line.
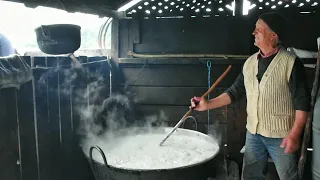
<point x="291" y="144"/>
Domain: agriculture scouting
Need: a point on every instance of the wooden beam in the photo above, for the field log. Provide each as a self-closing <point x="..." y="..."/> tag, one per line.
<point x="238" y="8"/>
<point x="115" y="39"/>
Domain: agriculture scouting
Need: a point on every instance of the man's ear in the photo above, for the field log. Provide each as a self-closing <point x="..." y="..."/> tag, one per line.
<point x="274" y="35"/>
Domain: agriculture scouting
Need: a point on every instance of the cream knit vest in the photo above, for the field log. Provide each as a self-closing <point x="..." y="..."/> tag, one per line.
<point x="269" y="104"/>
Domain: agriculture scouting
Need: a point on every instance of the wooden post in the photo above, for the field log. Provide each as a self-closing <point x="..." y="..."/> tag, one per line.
<point x="238" y="8"/>
<point x="308" y="126"/>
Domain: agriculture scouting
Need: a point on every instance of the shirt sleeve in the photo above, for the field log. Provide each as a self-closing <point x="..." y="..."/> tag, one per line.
<point x="237" y="90"/>
<point x="298" y="86"/>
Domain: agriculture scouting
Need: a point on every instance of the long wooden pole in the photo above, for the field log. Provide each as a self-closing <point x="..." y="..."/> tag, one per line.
<point x="189" y="112"/>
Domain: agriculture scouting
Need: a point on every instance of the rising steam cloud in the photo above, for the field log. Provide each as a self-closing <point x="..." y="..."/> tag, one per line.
<point x="100" y="113"/>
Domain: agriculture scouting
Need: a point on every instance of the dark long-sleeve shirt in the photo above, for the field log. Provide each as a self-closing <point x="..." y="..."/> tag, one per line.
<point x="297" y="84"/>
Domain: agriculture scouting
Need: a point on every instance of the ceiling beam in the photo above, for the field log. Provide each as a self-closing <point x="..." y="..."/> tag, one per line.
<point x="104" y="8"/>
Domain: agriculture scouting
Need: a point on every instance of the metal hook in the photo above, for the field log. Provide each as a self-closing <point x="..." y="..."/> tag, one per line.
<point x="209" y="64"/>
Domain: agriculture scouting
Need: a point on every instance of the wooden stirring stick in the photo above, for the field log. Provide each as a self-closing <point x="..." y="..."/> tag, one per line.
<point x="189" y="112"/>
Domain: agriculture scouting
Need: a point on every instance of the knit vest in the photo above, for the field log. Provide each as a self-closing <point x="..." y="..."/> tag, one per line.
<point x="270" y="107"/>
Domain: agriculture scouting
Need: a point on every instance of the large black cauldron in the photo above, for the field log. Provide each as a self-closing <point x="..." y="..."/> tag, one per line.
<point x="199" y="171"/>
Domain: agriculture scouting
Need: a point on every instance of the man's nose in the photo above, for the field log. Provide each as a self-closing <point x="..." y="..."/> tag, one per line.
<point x="254" y="32"/>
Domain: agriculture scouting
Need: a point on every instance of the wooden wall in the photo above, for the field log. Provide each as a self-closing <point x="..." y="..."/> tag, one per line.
<point x="167" y="84"/>
<point x="220" y="35"/>
<point x="39" y="123"/>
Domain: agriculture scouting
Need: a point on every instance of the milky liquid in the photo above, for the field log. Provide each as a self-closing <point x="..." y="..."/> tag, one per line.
<point x="142" y="151"/>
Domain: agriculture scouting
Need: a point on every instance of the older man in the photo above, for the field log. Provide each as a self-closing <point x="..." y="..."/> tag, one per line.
<point x="278" y="99"/>
<point x="6" y="48"/>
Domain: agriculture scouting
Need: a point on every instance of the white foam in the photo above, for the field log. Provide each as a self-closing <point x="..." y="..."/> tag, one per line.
<point x="142" y="151"/>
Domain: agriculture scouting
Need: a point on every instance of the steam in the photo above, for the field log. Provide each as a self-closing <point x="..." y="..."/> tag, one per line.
<point x="214" y="131"/>
<point x="101" y="115"/>
<point x="99" y="112"/>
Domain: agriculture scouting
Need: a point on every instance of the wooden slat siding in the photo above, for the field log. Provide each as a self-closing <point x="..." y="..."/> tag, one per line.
<point x="135" y="30"/>
<point x="130" y="36"/>
<point x="115" y="40"/>
<point x="181" y="61"/>
<point x="65" y="122"/>
<point x="27" y="132"/>
<point x="178" y="36"/>
<point x="124" y="39"/>
<point x="177" y="75"/>
<point x="77" y="171"/>
<point x="54" y="116"/>
<point x="175" y="113"/>
<point x="236" y="124"/>
<point x="43" y="122"/>
<point x="81" y="168"/>
<point x="9" y="147"/>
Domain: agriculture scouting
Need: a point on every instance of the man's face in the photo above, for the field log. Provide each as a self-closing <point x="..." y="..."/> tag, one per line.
<point x="264" y="36"/>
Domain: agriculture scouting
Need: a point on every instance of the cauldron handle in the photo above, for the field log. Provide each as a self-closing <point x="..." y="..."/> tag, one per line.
<point x="195" y="121"/>
<point x="104" y="161"/>
<point x="101" y="152"/>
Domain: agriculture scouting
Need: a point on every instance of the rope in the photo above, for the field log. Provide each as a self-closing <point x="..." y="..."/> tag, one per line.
<point x="209" y="84"/>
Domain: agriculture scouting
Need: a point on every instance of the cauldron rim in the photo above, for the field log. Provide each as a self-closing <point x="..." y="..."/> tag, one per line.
<point x="163" y="169"/>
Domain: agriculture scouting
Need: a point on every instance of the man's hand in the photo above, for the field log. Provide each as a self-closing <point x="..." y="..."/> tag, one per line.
<point x="291" y="143"/>
<point x="199" y="104"/>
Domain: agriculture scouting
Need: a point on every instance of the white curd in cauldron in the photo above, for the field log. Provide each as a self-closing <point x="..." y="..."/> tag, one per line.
<point x="141" y="151"/>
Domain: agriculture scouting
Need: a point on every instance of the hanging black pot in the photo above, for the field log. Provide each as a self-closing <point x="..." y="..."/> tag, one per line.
<point x="58" y="38"/>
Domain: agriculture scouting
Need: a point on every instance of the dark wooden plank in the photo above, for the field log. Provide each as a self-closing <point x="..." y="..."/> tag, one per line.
<point x="124" y="39"/>
<point x="115" y="40"/>
<point x="130" y="36"/>
<point x="236" y="124"/>
<point x="43" y="120"/>
<point x="238" y="8"/>
<point x="188" y="61"/>
<point x="178" y="61"/>
<point x="200" y="35"/>
<point x="179" y="35"/>
<point x="9" y="136"/>
<point x="64" y="94"/>
<point x="175" y="113"/>
<point x="169" y="95"/>
<point x="28" y="133"/>
<point x="54" y="118"/>
<point x="135" y="29"/>
<point x="178" y="75"/>
<point x="79" y="102"/>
